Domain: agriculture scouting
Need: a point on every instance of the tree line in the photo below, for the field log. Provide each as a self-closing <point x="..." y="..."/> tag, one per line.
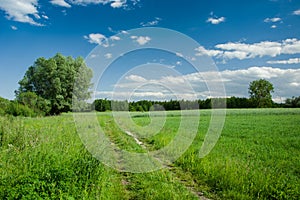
<point x="102" y="105"/>
<point x="32" y="106"/>
<point x="259" y="91"/>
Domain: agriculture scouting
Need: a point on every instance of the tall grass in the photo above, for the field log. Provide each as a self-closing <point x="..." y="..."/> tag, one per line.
<point x="44" y="158"/>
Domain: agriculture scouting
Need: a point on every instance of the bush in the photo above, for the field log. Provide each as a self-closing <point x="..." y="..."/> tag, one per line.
<point x="27" y="105"/>
<point x="3" y="105"/>
<point x="38" y="104"/>
<point x="16" y="109"/>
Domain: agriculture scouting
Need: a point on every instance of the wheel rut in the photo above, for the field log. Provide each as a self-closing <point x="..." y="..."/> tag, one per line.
<point x="188" y="183"/>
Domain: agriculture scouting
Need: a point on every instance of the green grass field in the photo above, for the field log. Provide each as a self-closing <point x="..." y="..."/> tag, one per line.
<point x="256" y="157"/>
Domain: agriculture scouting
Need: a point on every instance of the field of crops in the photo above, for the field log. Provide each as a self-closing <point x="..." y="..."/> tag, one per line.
<point x="256" y="157"/>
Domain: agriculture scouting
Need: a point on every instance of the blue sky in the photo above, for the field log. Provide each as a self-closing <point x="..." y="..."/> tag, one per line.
<point x="248" y="40"/>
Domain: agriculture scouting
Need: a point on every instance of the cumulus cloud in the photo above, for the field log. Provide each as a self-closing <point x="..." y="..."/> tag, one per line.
<point x="124" y="32"/>
<point x="141" y="40"/>
<point x="14" y="28"/>
<point x="178" y="63"/>
<point x="151" y="23"/>
<point x="112" y="3"/>
<point x="93" y="56"/>
<point x="296" y="12"/>
<point x="96" y="38"/>
<point x="21" y="10"/>
<point x="214" y="20"/>
<point x="137" y="95"/>
<point x="179" y="54"/>
<point x="108" y="56"/>
<point x="289" y="61"/>
<point x="26" y="11"/>
<point x="115" y="38"/>
<point x="85" y="2"/>
<point x="275" y="19"/>
<point x="118" y="4"/>
<point x="283" y="80"/>
<point x="236" y="82"/>
<point x="135" y="78"/>
<point x="273" y="26"/>
<point x="294" y="84"/>
<point x="202" y="51"/>
<point x="45" y="16"/>
<point x="243" y="51"/>
<point x="61" y="3"/>
<point x="100" y="39"/>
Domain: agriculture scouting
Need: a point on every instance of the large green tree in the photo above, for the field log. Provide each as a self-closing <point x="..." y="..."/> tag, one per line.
<point x="260" y="93"/>
<point x="53" y="80"/>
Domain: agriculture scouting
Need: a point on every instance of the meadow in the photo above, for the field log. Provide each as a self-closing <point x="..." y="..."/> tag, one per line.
<point x="256" y="157"/>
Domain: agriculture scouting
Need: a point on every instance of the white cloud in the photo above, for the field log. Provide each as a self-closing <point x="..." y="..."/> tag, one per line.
<point x="243" y="51"/>
<point x="289" y="61"/>
<point x="236" y="82"/>
<point x="294" y="84"/>
<point x="26" y="11"/>
<point x="21" y="10"/>
<point x="291" y="46"/>
<point x="135" y="78"/>
<point x="202" y="51"/>
<point x="136" y="95"/>
<point x="118" y="3"/>
<point x="112" y="30"/>
<point x="14" y="28"/>
<point x="148" y="94"/>
<point x="151" y="23"/>
<point x="115" y="38"/>
<point x="253" y="72"/>
<point x="64" y="12"/>
<point x="36" y="16"/>
<point x="135" y="2"/>
<point x="141" y="40"/>
<point x="97" y="38"/>
<point x="275" y="19"/>
<point x="86" y="2"/>
<point x="93" y="56"/>
<point x="178" y="63"/>
<point x="171" y="66"/>
<point x="60" y="3"/>
<point x="45" y="16"/>
<point x="179" y="54"/>
<point x="124" y="32"/>
<point x="108" y="56"/>
<point x="283" y="80"/>
<point x="215" y="20"/>
<point x="113" y="3"/>
<point x="296" y="12"/>
<point x="235" y="54"/>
